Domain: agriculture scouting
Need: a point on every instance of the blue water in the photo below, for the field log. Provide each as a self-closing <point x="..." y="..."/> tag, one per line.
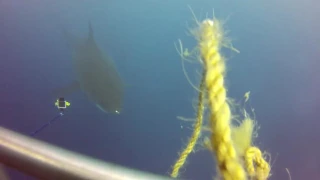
<point x="278" y="63"/>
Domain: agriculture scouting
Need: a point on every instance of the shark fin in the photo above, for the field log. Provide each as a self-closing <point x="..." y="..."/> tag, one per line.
<point x="101" y="108"/>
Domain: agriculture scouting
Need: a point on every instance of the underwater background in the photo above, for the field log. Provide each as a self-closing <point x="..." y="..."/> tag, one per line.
<point x="279" y="43"/>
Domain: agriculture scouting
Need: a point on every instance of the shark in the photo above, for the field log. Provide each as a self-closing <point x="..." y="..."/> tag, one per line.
<point x="96" y="74"/>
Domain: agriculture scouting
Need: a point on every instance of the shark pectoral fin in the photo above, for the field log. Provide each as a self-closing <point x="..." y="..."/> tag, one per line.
<point x="68" y="89"/>
<point x="101" y="108"/>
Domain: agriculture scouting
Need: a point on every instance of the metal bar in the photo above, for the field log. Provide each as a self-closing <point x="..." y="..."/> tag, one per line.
<point x="45" y="161"/>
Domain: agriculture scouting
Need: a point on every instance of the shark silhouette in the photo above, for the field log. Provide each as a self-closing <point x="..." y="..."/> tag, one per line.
<point x="96" y="74"/>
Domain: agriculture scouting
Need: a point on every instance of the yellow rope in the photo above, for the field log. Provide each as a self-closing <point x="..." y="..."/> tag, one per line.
<point x="228" y="162"/>
<point x="236" y="158"/>
<point x="253" y="156"/>
<point x="195" y="135"/>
